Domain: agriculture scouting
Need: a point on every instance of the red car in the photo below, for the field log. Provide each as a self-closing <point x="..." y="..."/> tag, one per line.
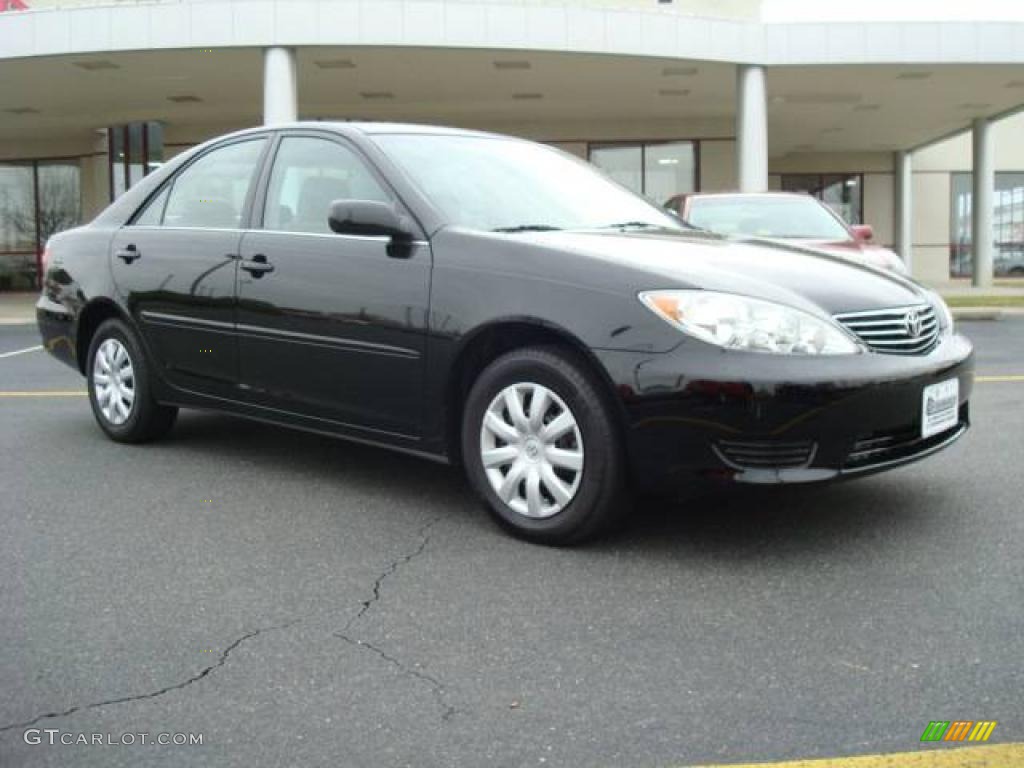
<point x="784" y="216"/>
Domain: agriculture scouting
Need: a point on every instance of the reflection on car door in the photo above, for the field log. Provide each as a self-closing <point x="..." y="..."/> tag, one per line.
<point x="330" y="326"/>
<point x="175" y="265"/>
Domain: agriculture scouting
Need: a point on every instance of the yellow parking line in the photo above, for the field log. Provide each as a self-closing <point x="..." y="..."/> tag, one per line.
<point x="43" y="394"/>
<point x="990" y="756"/>
<point x="996" y="379"/>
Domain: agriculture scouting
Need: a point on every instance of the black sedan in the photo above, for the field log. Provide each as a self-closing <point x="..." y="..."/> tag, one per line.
<point x="484" y="300"/>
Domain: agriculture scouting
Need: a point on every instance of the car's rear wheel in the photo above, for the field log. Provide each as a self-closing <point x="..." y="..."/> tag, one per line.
<point x="540" y="447"/>
<point x="120" y="387"/>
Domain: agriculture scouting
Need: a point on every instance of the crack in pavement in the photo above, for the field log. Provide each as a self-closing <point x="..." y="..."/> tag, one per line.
<point x="392" y="567"/>
<point x="153" y="694"/>
<point x="436" y="686"/>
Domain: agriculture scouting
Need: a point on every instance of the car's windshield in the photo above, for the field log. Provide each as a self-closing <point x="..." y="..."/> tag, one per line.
<point x="509" y="185"/>
<point x="767" y="216"/>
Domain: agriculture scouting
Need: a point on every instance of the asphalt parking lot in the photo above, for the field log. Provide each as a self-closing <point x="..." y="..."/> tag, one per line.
<point x="303" y="601"/>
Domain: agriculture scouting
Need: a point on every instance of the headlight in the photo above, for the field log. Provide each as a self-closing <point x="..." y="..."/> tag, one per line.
<point x="751" y="325"/>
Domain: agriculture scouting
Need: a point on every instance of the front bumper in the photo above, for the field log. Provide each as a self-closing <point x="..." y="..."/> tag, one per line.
<point x="758" y="418"/>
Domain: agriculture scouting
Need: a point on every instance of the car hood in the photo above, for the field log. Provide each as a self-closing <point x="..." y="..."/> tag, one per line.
<point x="769" y="270"/>
<point x="870" y="253"/>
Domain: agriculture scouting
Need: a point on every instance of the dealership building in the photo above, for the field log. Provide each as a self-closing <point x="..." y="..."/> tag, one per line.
<point x="900" y="114"/>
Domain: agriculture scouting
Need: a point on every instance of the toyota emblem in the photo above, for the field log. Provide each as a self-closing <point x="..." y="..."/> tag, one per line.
<point x="912" y="324"/>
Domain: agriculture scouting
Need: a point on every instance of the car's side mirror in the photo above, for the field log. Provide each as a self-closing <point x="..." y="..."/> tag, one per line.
<point x="368" y="218"/>
<point x="863" y="233"/>
<point x="675" y="205"/>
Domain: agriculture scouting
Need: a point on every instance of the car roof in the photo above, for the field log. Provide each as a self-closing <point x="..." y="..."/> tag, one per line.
<point x="696" y="195"/>
<point x="418" y="128"/>
<point x="367" y="128"/>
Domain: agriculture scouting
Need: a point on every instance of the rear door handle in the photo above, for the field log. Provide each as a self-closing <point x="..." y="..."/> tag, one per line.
<point x="129" y="254"/>
<point x="257" y="266"/>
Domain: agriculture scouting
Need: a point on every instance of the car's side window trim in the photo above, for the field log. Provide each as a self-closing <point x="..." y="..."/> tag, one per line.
<point x="164" y="191"/>
<point x="260" y="200"/>
<point x="336" y="236"/>
<point x="168" y="185"/>
<point x="165" y="186"/>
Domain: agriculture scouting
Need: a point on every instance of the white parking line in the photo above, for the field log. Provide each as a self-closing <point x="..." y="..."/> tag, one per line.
<point x="21" y="352"/>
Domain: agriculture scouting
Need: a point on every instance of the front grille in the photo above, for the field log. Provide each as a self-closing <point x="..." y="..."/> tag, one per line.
<point x="897" y="331"/>
<point x="765" y="454"/>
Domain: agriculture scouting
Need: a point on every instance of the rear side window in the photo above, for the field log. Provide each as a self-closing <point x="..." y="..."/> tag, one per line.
<point x="211" y="192"/>
<point x="153" y="214"/>
<point x="309" y="174"/>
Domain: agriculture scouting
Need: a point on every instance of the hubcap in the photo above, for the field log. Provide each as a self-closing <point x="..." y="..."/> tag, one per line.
<point x="113" y="379"/>
<point x="532" y="450"/>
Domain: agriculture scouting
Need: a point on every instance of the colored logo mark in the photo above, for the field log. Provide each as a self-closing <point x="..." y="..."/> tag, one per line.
<point x="959" y="730"/>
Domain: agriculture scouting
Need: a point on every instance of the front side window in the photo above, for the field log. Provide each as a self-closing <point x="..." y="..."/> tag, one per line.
<point x="210" y="193"/>
<point x="309" y="174"/>
<point x="505" y="184"/>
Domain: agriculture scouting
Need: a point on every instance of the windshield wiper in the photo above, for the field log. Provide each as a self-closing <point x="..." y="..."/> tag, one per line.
<point x="632" y="225"/>
<point x="528" y="228"/>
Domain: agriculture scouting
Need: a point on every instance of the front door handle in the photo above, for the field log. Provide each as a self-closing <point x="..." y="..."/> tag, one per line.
<point x="257" y="266"/>
<point x="129" y="254"/>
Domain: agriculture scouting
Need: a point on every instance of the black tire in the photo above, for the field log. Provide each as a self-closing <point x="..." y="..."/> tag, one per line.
<point x="600" y="497"/>
<point x="147" y="420"/>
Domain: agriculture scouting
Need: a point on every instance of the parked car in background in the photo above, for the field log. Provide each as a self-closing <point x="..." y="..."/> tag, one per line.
<point x="1009" y="264"/>
<point x="786" y="216"/>
<point x="1007" y="260"/>
<point x="498" y="304"/>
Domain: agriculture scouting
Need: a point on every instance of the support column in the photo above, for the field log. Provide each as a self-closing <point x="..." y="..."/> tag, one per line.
<point x="984" y="180"/>
<point x="751" y="128"/>
<point x="903" y="215"/>
<point x="280" y="88"/>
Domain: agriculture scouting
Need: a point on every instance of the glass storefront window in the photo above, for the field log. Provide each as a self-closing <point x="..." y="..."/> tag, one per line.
<point x="1007" y="225"/>
<point x="60" y="201"/>
<point x="37" y="200"/>
<point x="17" y="208"/>
<point x="117" y="156"/>
<point x="669" y="170"/>
<point x="656" y="170"/>
<point x="960" y="226"/>
<point x="842" y="192"/>
<point x="624" y="164"/>
<point x="135" y="150"/>
<point x="136" y="157"/>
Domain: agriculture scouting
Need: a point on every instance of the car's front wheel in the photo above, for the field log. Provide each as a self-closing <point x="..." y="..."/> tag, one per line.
<point x="540" y="447"/>
<point x="120" y="387"/>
